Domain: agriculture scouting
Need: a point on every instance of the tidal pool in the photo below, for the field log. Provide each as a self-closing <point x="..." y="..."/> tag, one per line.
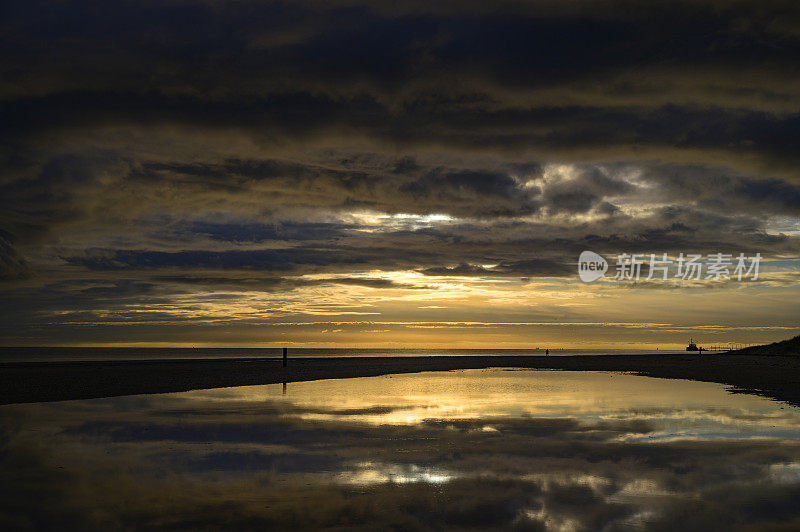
<point x="488" y="449"/>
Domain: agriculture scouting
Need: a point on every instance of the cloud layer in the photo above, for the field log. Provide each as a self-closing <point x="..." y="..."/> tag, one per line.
<point x="198" y="146"/>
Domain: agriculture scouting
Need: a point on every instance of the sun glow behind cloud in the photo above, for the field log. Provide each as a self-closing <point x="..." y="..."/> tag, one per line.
<point x="246" y="183"/>
<point x="409" y="308"/>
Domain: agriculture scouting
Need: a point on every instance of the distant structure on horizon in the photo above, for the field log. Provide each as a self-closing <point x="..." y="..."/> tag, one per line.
<point x="692" y="346"/>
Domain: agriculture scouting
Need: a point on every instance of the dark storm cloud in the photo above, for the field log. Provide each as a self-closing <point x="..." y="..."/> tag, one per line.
<point x="417" y="74"/>
<point x="12" y="265"/>
<point x="282" y="283"/>
<point x="340" y="43"/>
<point x="186" y="146"/>
<point x="234" y="172"/>
<point x="723" y="190"/>
<point x="249" y="232"/>
<point x="583" y="192"/>
<point x="262" y="260"/>
<point x="489" y="193"/>
<point x="689" y="133"/>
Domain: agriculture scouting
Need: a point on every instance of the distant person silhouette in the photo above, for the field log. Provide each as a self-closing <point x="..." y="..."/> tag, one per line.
<point x="546" y="352"/>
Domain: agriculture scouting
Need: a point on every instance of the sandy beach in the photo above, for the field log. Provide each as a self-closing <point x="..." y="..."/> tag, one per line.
<point x="777" y="377"/>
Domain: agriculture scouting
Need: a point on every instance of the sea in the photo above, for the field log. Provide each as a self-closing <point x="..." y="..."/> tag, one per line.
<point x="74" y="354"/>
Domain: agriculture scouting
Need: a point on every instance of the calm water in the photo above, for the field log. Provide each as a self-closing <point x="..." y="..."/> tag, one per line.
<point x="497" y="448"/>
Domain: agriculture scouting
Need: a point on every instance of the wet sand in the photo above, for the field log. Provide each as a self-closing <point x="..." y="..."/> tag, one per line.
<point x="777" y="377"/>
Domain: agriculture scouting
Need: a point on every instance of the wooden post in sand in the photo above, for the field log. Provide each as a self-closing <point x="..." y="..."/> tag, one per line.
<point x="285" y="356"/>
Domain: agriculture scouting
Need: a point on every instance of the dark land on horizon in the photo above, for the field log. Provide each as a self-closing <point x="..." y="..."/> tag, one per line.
<point x="771" y="371"/>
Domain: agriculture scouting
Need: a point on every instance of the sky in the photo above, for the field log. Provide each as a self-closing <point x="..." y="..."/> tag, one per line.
<point x="368" y="174"/>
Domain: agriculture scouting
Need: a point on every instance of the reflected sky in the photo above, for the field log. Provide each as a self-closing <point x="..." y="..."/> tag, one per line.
<point x="496" y="448"/>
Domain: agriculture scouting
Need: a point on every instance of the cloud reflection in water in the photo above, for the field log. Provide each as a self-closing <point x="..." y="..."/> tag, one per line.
<point x="475" y="448"/>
